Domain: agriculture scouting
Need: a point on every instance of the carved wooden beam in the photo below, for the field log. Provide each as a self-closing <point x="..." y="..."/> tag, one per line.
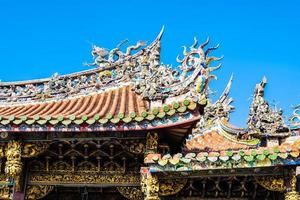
<point x="272" y="183"/>
<point x="33" y="149"/>
<point x="131" y="193"/>
<point x="34" y="192"/>
<point x="169" y="187"/>
<point x="95" y="178"/>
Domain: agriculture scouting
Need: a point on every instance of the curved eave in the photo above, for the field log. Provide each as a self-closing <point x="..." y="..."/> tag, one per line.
<point x="172" y="121"/>
<point x="231" y="129"/>
<point x="118" y="109"/>
<point x="218" y="138"/>
<point x="286" y="154"/>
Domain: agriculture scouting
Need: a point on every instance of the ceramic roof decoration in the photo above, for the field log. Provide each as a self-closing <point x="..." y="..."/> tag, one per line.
<point x="284" y="154"/>
<point x="125" y="90"/>
<point x="135" y="127"/>
<point x="295" y="119"/>
<point x="216" y="144"/>
<point x="262" y="119"/>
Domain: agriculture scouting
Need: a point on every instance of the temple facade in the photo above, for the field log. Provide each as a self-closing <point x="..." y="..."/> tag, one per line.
<point x="134" y="128"/>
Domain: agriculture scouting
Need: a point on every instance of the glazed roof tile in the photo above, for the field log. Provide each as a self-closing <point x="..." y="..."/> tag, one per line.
<point x="285" y="154"/>
<point x="213" y="141"/>
<point x="121" y="100"/>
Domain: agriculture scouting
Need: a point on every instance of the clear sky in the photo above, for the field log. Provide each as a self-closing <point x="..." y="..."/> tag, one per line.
<point x="257" y="38"/>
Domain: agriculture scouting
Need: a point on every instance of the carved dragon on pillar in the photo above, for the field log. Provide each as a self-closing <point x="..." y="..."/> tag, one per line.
<point x="13" y="165"/>
<point x="150" y="186"/>
<point x="14" y="152"/>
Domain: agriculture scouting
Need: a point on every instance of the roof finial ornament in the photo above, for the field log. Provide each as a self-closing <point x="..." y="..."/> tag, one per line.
<point x="262" y="120"/>
<point x="104" y="58"/>
<point x="216" y="111"/>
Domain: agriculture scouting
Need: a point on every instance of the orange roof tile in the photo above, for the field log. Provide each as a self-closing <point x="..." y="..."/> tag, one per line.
<point x="212" y="141"/>
<point x="120" y="100"/>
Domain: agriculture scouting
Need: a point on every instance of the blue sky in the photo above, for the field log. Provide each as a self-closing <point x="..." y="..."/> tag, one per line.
<point x="257" y="38"/>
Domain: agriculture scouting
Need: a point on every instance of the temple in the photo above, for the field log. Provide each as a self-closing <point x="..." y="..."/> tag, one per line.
<point x="133" y="128"/>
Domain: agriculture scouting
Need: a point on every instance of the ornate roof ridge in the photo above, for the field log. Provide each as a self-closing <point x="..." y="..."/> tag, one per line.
<point x="78" y="73"/>
<point x="151" y="79"/>
<point x="42" y="80"/>
<point x="62" y="86"/>
<point x="70" y="97"/>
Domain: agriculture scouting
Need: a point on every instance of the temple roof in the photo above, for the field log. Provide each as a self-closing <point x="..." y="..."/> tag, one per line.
<point x="285" y="154"/>
<point x="127" y="90"/>
<point x="133" y="90"/>
<point x="113" y="109"/>
<point x="217" y="139"/>
<point x="111" y="102"/>
<point x="216" y="144"/>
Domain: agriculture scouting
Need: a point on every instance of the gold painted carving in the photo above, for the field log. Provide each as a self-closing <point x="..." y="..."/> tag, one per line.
<point x="13" y="165"/>
<point x="83" y="178"/>
<point x="150" y="186"/>
<point x="33" y="149"/>
<point x="1" y="151"/>
<point x="152" y="142"/>
<point x="272" y="183"/>
<point x="34" y="192"/>
<point x="171" y="187"/>
<point x="131" y="193"/>
<point x="137" y="148"/>
<point x="166" y="188"/>
<point x="5" y="194"/>
<point x="293" y="194"/>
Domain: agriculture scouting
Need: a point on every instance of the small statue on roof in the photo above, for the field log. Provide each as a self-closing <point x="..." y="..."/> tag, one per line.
<point x="264" y="121"/>
<point x="104" y="58"/>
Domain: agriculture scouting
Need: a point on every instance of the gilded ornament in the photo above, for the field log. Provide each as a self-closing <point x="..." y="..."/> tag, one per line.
<point x="33" y="149"/>
<point x="150" y="186"/>
<point x="5" y="193"/>
<point x="169" y="187"/>
<point x="137" y="148"/>
<point x="272" y="183"/>
<point x="131" y="193"/>
<point x="13" y="165"/>
<point x="152" y="142"/>
<point x="70" y="177"/>
<point x="292" y="194"/>
<point x="35" y="192"/>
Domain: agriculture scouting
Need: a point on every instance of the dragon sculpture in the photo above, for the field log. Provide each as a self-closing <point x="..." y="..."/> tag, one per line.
<point x="161" y="81"/>
<point x="139" y="65"/>
<point x="104" y="58"/>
